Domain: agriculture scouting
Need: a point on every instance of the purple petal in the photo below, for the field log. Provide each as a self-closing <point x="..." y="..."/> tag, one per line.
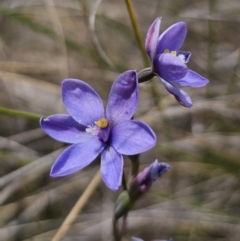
<point x="104" y="133"/>
<point x="81" y="101"/>
<point x="184" y="56"/>
<point x="132" y="137"/>
<point x="123" y="98"/>
<point x="152" y="38"/>
<point x="112" y="168"/>
<point x="64" y="128"/>
<point x="76" y="157"/>
<point x="172" y="38"/>
<point x="157" y="169"/>
<point x="136" y="239"/>
<point x="180" y="95"/>
<point x="170" y="67"/>
<point x="193" y="79"/>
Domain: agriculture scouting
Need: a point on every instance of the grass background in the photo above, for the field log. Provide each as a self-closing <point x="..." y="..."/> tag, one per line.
<point x="44" y="41"/>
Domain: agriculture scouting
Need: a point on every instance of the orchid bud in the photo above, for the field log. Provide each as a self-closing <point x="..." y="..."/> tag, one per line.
<point x="139" y="185"/>
<point x="144" y="180"/>
<point x="123" y="205"/>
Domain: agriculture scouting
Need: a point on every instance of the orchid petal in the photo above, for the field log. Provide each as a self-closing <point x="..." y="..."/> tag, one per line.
<point x="170" y="67"/>
<point x="81" y="101"/>
<point x="172" y="38"/>
<point x="112" y="168"/>
<point x="132" y="137"/>
<point x="64" y="128"/>
<point x="180" y="95"/>
<point x="184" y="56"/>
<point x="123" y="98"/>
<point x="76" y="157"/>
<point x="193" y="79"/>
<point x="152" y="38"/>
<point x="136" y="239"/>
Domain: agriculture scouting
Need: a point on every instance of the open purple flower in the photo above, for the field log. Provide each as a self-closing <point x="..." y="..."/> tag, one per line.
<point x="169" y="63"/>
<point x="92" y="131"/>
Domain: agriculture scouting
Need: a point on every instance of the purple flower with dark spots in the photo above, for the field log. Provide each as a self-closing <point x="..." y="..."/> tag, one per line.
<point x="169" y="63"/>
<point x="93" y="131"/>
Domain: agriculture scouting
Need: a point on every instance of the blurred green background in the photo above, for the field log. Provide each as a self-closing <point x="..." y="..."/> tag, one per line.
<point x="44" y="41"/>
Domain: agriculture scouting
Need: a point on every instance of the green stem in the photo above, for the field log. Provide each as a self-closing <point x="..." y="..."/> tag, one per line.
<point x="135" y="164"/>
<point x="135" y="26"/>
<point x="116" y="234"/>
<point x="21" y="114"/>
<point x="211" y="38"/>
<point x="124" y="182"/>
<point x="145" y="75"/>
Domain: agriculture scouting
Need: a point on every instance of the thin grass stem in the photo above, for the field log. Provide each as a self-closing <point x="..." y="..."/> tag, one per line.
<point x="19" y="113"/>
<point x="77" y="207"/>
<point x="137" y="33"/>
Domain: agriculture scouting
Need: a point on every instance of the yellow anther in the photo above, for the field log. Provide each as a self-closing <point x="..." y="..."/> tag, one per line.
<point x="167" y="51"/>
<point x="102" y="123"/>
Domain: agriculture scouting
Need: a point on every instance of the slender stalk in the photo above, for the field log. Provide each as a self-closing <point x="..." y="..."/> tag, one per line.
<point x="19" y="113"/>
<point x="211" y="38"/>
<point x="135" y="164"/>
<point x="135" y="26"/>
<point x="124" y="182"/>
<point x="77" y="207"/>
<point x="145" y="75"/>
<point x="116" y="234"/>
<point x="146" y="61"/>
<point x="124" y="224"/>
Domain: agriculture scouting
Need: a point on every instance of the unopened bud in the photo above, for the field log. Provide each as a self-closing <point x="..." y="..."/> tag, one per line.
<point x="144" y="180"/>
<point x="123" y="205"/>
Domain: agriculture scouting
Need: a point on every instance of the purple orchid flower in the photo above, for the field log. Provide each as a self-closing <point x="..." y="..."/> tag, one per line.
<point x="92" y="131"/>
<point x="169" y="63"/>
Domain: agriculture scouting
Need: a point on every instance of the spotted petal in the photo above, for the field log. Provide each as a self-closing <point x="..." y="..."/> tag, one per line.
<point x="64" y="128"/>
<point x="180" y="95"/>
<point x="172" y="38"/>
<point x="123" y="98"/>
<point x="112" y="168"/>
<point x="193" y="79"/>
<point x="152" y="38"/>
<point x="170" y="67"/>
<point x="76" y="157"/>
<point x="81" y="101"/>
<point x="132" y="137"/>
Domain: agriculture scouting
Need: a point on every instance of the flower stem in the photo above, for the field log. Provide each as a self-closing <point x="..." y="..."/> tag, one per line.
<point x="77" y="207"/>
<point x="18" y="113"/>
<point x="135" y="164"/>
<point x="145" y="75"/>
<point x="116" y="234"/>
<point x="135" y="26"/>
<point x="124" y="182"/>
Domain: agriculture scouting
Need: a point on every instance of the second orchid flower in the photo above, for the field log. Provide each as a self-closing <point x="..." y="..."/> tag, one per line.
<point x="169" y="62"/>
